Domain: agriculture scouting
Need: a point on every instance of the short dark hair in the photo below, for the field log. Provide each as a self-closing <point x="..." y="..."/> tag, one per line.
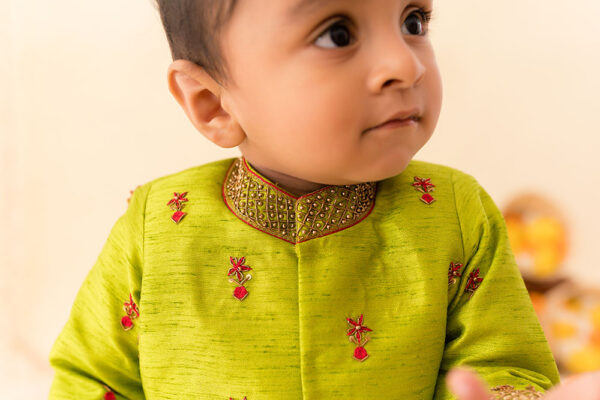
<point x="193" y="30"/>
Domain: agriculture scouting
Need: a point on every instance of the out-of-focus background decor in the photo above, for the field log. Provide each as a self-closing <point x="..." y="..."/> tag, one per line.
<point x="568" y="306"/>
<point x="86" y="116"/>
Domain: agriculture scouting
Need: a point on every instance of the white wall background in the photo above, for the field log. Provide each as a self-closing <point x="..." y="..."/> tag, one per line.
<point x="85" y="116"/>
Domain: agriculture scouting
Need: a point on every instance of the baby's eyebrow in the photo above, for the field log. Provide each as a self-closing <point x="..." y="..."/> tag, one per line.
<point x="304" y="7"/>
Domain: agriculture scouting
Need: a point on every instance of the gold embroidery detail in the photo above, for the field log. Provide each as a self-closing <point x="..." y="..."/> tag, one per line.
<point x="508" y="392"/>
<point x="257" y="201"/>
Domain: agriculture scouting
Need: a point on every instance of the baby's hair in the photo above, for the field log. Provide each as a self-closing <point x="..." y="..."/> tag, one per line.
<point x="193" y="30"/>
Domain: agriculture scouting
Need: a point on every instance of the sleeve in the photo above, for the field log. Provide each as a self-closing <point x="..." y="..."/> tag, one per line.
<point x="491" y="325"/>
<point x="96" y="354"/>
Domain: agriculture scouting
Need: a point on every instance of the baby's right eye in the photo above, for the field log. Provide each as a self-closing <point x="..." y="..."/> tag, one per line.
<point x="340" y="35"/>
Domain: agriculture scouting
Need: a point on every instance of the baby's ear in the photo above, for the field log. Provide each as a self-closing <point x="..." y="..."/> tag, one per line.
<point x="200" y="97"/>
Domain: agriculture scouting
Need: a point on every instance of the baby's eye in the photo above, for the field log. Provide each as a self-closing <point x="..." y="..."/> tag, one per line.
<point x="416" y="22"/>
<point x="338" y="33"/>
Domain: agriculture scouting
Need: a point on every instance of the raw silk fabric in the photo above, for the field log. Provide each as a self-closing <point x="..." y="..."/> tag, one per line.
<point x="287" y="339"/>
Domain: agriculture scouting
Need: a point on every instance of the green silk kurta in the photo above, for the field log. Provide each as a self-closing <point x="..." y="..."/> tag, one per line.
<point x="288" y="338"/>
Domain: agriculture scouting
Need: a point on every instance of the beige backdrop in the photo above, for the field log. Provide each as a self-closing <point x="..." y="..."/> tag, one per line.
<point x="85" y="116"/>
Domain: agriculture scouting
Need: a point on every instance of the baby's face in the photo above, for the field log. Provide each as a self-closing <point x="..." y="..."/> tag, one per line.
<point x="310" y="83"/>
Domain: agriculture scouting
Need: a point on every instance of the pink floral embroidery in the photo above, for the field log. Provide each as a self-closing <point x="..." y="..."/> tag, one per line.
<point x="131" y="309"/>
<point x="360" y="353"/>
<point x="454" y="272"/>
<point x="424" y="186"/>
<point x="473" y="282"/>
<point x="238" y="269"/>
<point x="176" y="204"/>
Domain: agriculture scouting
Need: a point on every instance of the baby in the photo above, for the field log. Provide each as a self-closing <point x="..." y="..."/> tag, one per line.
<point x="324" y="263"/>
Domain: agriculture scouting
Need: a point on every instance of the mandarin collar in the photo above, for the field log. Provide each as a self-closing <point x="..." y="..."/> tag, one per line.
<point x="260" y="203"/>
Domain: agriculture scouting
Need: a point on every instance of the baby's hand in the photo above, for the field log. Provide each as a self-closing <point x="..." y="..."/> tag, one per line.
<point x="466" y="385"/>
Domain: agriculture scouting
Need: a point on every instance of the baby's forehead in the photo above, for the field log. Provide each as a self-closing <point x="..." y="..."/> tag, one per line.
<point x="299" y="9"/>
<point x="294" y="8"/>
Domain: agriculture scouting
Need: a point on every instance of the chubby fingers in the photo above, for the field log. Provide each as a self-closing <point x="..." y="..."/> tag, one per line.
<point x="581" y="387"/>
<point x="466" y="385"/>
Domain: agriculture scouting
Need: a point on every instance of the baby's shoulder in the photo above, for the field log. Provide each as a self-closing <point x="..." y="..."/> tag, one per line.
<point x="430" y="190"/>
<point x="205" y="174"/>
<point x="202" y="183"/>
<point x="426" y="172"/>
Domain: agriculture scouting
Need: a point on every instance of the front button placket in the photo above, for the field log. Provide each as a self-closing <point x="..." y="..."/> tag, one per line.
<point x="263" y="205"/>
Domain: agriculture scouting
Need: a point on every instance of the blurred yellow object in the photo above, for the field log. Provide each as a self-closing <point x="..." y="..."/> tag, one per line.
<point x="516" y="234"/>
<point x="538" y="236"/>
<point x="563" y="330"/>
<point x="571" y="322"/>
<point x="584" y="360"/>
<point x="546" y="261"/>
<point x="573" y="304"/>
<point x="595" y="338"/>
<point x="595" y="317"/>
<point x="544" y="230"/>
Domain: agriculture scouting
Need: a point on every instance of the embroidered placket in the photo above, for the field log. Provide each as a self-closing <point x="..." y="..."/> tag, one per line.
<point x="132" y="312"/>
<point x="356" y="328"/>
<point x="237" y="269"/>
<point x="424" y="186"/>
<point x="176" y="204"/>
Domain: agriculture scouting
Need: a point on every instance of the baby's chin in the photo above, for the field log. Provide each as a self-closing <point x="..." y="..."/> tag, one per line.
<point x="383" y="168"/>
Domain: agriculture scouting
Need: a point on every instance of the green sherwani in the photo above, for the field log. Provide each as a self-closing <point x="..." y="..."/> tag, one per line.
<point x="424" y="274"/>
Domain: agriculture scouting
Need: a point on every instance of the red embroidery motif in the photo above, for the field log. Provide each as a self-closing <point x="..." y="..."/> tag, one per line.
<point x="176" y="205"/>
<point x="109" y="395"/>
<point x="425" y="186"/>
<point x="454" y="272"/>
<point x="427" y="198"/>
<point x="126" y="323"/>
<point x="238" y="269"/>
<point x="132" y="312"/>
<point x="231" y="398"/>
<point x="357" y="327"/>
<point x="473" y="282"/>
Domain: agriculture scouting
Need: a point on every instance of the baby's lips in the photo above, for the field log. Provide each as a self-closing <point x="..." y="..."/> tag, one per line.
<point x="413" y="113"/>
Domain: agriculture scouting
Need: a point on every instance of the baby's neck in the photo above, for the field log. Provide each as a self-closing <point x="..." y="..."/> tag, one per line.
<point x="295" y="186"/>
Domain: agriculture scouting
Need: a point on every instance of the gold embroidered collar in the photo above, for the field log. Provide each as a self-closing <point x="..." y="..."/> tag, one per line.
<point x="261" y="204"/>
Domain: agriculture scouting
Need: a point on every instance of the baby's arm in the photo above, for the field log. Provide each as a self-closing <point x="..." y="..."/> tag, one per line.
<point x="492" y="328"/>
<point x="96" y="353"/>
<point x="466" y="385"/>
